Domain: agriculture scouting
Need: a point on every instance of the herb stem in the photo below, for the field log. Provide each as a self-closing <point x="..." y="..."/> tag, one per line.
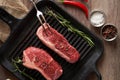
<point x="67" y="24"/>
<point x="18" y="61"/>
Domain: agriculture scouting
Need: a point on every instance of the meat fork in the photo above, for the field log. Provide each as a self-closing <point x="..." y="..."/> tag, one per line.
<point x="39" y="16"/>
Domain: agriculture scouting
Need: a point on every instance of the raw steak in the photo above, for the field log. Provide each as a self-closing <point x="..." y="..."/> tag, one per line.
<point x="54" y="40"/>
<point x="40" y="60"/>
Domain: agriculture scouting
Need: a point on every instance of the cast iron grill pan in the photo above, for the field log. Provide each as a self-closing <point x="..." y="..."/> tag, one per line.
<point x="23" y="35"/>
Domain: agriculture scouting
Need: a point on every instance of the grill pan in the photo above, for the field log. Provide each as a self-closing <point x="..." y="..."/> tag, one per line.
<point x="23" y="35"/>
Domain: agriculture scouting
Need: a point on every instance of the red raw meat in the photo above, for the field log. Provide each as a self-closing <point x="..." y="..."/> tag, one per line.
<point x="40" y="60"/>
<point x="54" y="40"/>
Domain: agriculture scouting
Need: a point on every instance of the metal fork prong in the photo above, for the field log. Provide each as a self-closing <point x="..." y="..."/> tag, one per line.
<point x="39" y="13"/>
<point x="42" y="24"/>
<point x="46" y="23"/>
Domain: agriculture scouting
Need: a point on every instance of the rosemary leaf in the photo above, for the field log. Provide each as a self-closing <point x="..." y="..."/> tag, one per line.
<point x="19" y="61"/>
<point x="67" y="24"/>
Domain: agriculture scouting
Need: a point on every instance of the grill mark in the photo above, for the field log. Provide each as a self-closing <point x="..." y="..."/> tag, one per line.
<point x="82" y="47"/>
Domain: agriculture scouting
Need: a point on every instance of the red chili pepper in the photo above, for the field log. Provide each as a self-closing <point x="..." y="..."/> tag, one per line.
<point x="81" y="0"/>
<point x="77" y="4"/>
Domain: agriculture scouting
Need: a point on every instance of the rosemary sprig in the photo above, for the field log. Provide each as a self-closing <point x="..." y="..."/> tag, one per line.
<point x="19" y="61"/>
<point x="67" y="24"/>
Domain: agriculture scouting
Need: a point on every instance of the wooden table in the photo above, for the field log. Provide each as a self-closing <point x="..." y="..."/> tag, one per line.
<point x="109" y="63"/>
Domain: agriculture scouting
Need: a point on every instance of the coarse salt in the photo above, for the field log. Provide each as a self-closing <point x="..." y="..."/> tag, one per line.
<point x="8" y="79"/>
<point x="97" y="18"/>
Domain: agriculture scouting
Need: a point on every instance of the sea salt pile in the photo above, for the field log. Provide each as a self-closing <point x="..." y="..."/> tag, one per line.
<point x="97" y="18"/>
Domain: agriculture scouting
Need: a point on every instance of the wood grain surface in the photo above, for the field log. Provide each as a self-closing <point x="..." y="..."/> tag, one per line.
<point x="109" y="63"/>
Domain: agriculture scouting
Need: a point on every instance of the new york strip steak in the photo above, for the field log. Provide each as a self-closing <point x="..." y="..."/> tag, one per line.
<point x="40" y="60"/>
<point x="56" y="41"/>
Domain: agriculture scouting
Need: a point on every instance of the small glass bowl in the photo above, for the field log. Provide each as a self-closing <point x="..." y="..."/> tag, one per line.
<point x="97" y="18"/>
<point x="109" y="32"/>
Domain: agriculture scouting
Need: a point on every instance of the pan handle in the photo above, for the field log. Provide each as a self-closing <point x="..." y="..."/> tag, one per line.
<point x="87" y="71"/>
<point x="7" y="18"/>
<point x="97" y="73"/>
